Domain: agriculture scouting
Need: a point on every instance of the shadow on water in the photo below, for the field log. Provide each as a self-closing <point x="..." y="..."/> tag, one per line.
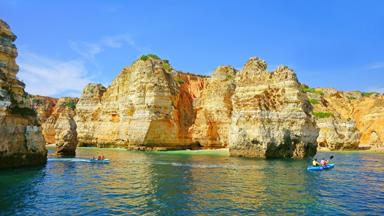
<point x="18" y="187"/>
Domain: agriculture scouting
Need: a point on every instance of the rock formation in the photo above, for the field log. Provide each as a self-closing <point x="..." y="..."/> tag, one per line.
<point x="21" y="141"/>
<point x="368" y="113"/>
<point x="60" y="127"/>
<point x="332" y="111"/>
<point x="148" y="106"/>
<point x="214" y="109"/>
<point x="348" y="119"/>
<point x="271" y="115"/>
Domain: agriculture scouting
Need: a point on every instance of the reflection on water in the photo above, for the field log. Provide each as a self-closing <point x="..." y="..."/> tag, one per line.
<point x="138" y="183"/>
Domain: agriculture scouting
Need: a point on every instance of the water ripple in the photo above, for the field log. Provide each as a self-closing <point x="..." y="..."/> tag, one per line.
<point x="171" y="184"/>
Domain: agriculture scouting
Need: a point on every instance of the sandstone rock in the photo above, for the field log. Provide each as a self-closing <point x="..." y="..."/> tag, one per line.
<point x="64" y="106"/>
<point x="214" y="109"/>
<point x="271" y="115"/>
<point x="21" y="141"/>
<point x="60" y="126"/>
<point x="43" y="105"/>
<point x="66" y="134"/>
<point x="332" y="110"/>
<point x="147" y="106"/>
<point x="368" y="113"/>
<point x="354" y="118"/>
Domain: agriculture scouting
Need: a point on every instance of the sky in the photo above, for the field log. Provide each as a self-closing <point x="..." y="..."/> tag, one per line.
<point x="63" y="45"/>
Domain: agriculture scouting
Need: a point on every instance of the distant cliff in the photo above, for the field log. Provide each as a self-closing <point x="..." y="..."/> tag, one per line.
<point x="21" y="140"/>
<point x="58" y="124"/>
<point x="253" y="112"/>
<point x="348" y="120"/>
<point x="150" y="106"/>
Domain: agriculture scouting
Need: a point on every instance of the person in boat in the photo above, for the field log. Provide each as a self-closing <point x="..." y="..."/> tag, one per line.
<point x="324" y="162"/>
<point x="315" y="163"/>
<point x="102" y="157"/>
<point x="99" y="157"/>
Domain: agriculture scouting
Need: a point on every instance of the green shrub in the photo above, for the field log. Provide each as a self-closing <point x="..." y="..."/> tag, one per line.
<point x="313" y="101"/>
<point x="322" y="114"/>
<point x="312" y="90"/>
<point x="166" y="66"/>
<point x="178" y="80"/>
<point x="351" y="98"/>
<point x="229" y="77"/>
<point x="71" y="105"/>
<point x="23" y="111"/>
<point x="145" y="57"/>
<point x="367" y="94"/>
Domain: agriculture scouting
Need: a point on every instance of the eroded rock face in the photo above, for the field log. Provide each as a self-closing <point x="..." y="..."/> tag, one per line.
<point x="60" y="127"/>
<point x="214" y="109"/>
<point x="145" y="107"/>
<point x="349" y="120"/>
<point x="369" y="116"/>
<point x="21" y="141"/>
<point x="271" y="115"/>
<point x="66" y="134"/>
<point x="43" y="105"/>
<point x="332" y="110"/>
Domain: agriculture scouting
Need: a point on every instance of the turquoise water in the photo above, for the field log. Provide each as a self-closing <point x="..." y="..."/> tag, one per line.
<point x="138" y="183"/>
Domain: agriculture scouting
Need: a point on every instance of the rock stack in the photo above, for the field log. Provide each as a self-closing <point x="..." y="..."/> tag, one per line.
<point x="271" y="116"/>
<point x="148" y="106"/>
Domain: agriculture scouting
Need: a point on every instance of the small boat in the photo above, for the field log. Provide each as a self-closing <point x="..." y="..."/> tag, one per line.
<point x="320" y="168"/>
<point x="86" y="160"/>
<point x="105" y="161"/>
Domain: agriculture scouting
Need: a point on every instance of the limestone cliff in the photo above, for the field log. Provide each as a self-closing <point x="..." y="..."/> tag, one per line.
<point x="60" y="126"/>
<point x="271" y="115"/>
<point x="332" y="110"/>
<point x="43" y="105"/>
<point x="368" y="113"/>
<point x="21" y="141"/>
<point x="348" y="119"/>
<point x="214" y="109"/>
<point x="148" y="106"/>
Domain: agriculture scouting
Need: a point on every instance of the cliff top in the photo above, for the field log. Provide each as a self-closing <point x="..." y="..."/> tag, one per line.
<point x="5" y="30"/>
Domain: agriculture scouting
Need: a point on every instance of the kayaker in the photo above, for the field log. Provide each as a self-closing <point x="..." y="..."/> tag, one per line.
<point x="315" y="162"/>
<point x="102" y="157"/>
<point x="324" y="162"/>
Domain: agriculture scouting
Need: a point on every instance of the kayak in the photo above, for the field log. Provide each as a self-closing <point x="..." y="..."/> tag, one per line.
<point x="105" y="161"/>
<point x="320" y="168"/>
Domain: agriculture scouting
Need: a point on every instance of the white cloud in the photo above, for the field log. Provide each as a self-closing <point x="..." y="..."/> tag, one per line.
<point x="375" y="66"/>
<point x="89" y="50"/>
<point x="51" y="77"/>
<point x="85" y="49"/>
<point x="54" y="77"/>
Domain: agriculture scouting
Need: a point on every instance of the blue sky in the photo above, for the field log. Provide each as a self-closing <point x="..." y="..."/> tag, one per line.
<point x="65" y="44"/>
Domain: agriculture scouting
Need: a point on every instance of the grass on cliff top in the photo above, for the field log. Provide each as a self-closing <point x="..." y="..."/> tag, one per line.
<point x="166" y="66"/>
<point x="322" y="114"/>
<point x="145" y="57"/>
<point x="367" y="94"/>
<point x="312" y="90"/>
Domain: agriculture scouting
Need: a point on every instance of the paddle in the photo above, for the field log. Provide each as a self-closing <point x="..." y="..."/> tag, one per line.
<point x="330" y="158"/>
